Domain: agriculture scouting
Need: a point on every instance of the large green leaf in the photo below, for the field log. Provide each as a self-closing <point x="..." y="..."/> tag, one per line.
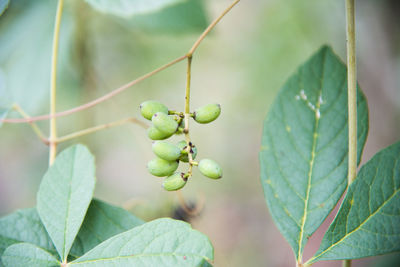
<point x="368" y="222"/>
<point x="103" y="221"/>
<point x="163" y="242"/>
<point x="3" y="5"/>
<point x="304" y="147"/>
<point x="24" y="226"/>
<point x="128" y="8"/>
<point x="65" y="194"/>
<point x="25" y="254"/>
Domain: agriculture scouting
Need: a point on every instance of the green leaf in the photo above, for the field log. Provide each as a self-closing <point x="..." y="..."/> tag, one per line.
<point x="162" y="242"/>
<point x="65" y="194"/>
<point x="128" y="8"/>
<point x="3" y="5"/>
<point x="184" y="17"/>
<point x="23" y="226"/>
<point x="103" y="221"/>
<point x="25" y="254"/>
<point x="368" y="222"/>
<point x="304" y="147"/>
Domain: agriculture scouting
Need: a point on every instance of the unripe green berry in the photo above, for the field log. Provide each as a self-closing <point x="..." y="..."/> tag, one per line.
<point x="160" y="167"/>
<point x="154" y="134"/>
<point x="166" y="150"/>
<point x="149" y="108"/>
<point x="164" y="123"/>
<point x="184" y="156"/>
<point x="207" y="113"/>
<point x="210" y="168"/>
<point x="174" y="182"/>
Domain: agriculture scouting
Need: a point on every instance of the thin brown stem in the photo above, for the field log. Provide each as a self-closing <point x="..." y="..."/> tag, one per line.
<point x="125" y="86"/>
<point x="98" y="100"/>
<point x="100" y="127"/>
<point x="34" y="126"/>
<point x="210" y="27"/>
<point x="53" y="83"/>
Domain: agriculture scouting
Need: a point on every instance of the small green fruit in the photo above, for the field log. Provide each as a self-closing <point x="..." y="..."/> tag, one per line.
<point x="174" y="182"/>
<point x="149" y="108"/>
<point x="210" y="168"/>
<point x="164" y="123"/>
<point x="184" y="156"/>
<point x="160" y="167"/>
<point x="207" y="113"/>
<point x="166" y="150"/>
<point x="154" y="134"/>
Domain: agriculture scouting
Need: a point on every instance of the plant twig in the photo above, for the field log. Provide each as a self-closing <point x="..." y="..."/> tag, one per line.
<point x="53" y="82"/>
<point x="209" y="28"/>
<point x="98" y="100"/>
<point x="125" y="86"/>
<point x="34" y="126"/>
<point x="100" y="127"/>
<point x="352" y="94"/>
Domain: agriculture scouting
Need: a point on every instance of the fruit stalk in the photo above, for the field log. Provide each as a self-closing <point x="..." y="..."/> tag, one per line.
<point x="187" y="114"/>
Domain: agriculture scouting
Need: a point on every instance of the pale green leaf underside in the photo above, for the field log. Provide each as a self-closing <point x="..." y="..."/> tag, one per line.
<point x="24" y="254"/>
<point x="102" y="221"/>
<point x="127" y="8"/>
<point x="368" y="222"/>
<point x="23" y="226"/>
<point x="65" y="194"/>
<point x="162" y="242"/>
<point x="304" y="147"/>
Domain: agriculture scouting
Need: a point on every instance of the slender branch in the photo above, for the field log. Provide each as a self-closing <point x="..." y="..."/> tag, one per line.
<point x="53" y="82"/>
<point x="352" y="94"/>
<point x="210" y="27"/>
<point x="34" y="126"/>
<point x="187" y="94"/>
<point x="126" y="86"/>
<point x="100" y="127"/>
<point x="98" y="100"/>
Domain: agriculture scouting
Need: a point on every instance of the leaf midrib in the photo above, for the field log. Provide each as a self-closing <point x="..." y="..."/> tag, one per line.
<point x="65" y="256"/>
<point x="141" y="255"/>
<point x="313" y="155"/>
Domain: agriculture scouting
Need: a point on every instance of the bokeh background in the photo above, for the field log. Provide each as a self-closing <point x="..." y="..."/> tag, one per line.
<point x="241" y="65"/>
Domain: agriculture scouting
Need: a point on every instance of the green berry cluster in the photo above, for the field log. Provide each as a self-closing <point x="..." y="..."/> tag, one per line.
<point x="166" y="123"/>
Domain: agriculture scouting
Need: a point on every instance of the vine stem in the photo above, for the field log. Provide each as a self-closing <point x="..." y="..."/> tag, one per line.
<point x="352" y="94"/>
<point x="53" y="83"/>
<point x="34" y="126"/>
<point x="210" y="27"/>
<point x="125" y="86"/>
<point x="100" y="127"/>
<point x="98" y="100"/>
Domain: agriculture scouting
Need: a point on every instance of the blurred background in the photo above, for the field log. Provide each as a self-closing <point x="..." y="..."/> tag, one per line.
<point x="241" y="65"/>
